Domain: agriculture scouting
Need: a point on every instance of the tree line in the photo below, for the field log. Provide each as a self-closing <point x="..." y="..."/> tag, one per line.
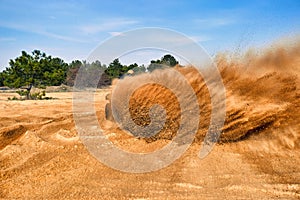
<point x="40" y="70"/>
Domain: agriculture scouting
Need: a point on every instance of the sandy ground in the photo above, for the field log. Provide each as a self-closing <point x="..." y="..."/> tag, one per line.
<point x="41" y="157"/>
<point x="257" y="156"/>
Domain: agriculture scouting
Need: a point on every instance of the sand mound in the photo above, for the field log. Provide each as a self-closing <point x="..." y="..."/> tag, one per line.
<point x="9" y="134"/>
<point x="262" y="96"/>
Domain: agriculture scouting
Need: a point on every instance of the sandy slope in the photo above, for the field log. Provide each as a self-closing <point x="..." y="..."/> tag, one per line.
<point x="257" y="156"/>
<point x="44" y="158"/>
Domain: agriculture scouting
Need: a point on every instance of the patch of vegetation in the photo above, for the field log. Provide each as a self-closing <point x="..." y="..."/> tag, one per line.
<point x="38" y="70"/>
<point x="13" y="98"/>
<point x="40" y="95"/>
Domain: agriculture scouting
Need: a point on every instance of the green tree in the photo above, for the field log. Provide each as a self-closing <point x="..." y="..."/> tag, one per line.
<point x="1" y="79"/>
<point x="90" y="70"/>
<point x="166" y="61"/>
<point x="36" y="70"/>
<point x="155" y="65"/>
<point x="132" y="66"/>
<point x="169" y="60"/>
<point x="140" y="69"/>
<point x="54" y="71"/>
<point x="72" y="72"/>
<point x="115" y="69"/>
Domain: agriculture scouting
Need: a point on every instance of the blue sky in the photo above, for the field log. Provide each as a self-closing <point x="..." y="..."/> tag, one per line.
<point x="72" y="29"/>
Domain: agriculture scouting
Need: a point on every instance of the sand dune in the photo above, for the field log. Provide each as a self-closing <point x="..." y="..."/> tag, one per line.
<point x="257" y="156"/>
<point x="260" y="97"/>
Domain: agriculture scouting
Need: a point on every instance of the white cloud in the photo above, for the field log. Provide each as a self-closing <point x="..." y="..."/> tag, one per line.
<point x="7" y="39"/>
<point x="201" y="38"/>
<point x="213" y="22"/>
<point x="60" y="37"/>
<point x="116" y="33"/>
<point x="107" y="25"/>
<point x="142" y="56"/>
<point x="39" y="31"/>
